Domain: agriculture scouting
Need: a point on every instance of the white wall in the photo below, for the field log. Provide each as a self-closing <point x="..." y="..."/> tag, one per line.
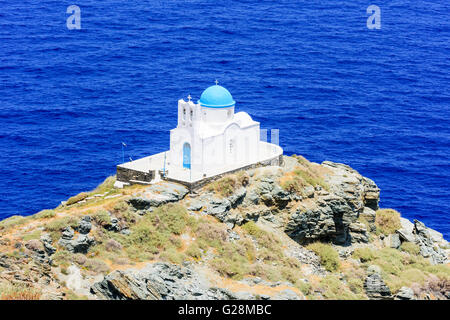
<point x="214" y="115"/>
<point x="215" y="152"/>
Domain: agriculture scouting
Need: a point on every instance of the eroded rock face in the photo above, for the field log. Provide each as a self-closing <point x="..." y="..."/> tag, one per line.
<point x="429" y="247"/>
<point x="30" y="271"/>
<point x="374" y="285"/>
<point x="334" y="214"/>
<point x="80" y="244"/>
<point x="158" y="281"/>
<point x="405" y="293"/>
<point x="85" y="225"/>
<point x="165" y="281"/>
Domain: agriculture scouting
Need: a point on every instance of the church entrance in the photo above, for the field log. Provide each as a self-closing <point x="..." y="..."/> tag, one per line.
<point x="187" y="156"/>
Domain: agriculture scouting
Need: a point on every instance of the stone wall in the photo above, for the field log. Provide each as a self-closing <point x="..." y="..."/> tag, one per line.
<point x="192" y="186"/>
<point x="126" y="175"/>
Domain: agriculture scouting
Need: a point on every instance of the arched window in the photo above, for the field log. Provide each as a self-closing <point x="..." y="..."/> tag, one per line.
<point x="191" y="115"/>
<point x="186" y="155"/>
<point x="184" y="113"/>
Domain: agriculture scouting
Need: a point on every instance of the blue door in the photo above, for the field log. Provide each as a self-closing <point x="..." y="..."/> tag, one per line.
<point x="187" y="155"/>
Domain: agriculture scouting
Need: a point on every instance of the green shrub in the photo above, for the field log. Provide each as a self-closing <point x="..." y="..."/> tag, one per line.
<point x="124" y="213"/>
<point x="387" y="221"/>
<point x="265" y="239"/>
<point x="364" y="254"/>
<point x="113" y="245"/>
<point x="333" y="288"/>
<point x="79" y="197"/>
<point x="299" y="178"/>
<point x="62" y="257"/>
<point x="18" y="292"/>
<point x="102" y="218"/>
<point x="410" y="248"/>
<point x="172" y="217"/>
<point x="356" y="285"/>
<point x="194" y="251"/>
<point x="231" y="260"/>
<point x="210" y="234"/>
<point x="172" y="255"/>
<point x="304" y="287"/>
<point x="45" y="214"/>
<point x="12" y="221"/>
<point x="158" y="231"/>
<point x="329" y="258"/>
<point x="35" y="234"/>
<point x="106" y="185"/>
<point x="224" y="186"/>
<point x="96" y="266"/>
<point x="60" y="224"/>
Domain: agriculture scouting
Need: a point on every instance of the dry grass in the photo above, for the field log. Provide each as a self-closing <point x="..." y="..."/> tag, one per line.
<point x="227" y="185"/>
<point x="10" y="292"/>
<point x="305" y="174"/>
<point x="387" y="221"/>
<point x="329" y="257"/>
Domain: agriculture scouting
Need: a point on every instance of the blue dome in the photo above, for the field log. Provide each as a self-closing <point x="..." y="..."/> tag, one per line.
<point x="216" y="97"/>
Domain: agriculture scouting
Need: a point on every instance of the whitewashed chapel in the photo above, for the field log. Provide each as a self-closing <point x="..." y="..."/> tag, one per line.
<point x="209" y="140"/>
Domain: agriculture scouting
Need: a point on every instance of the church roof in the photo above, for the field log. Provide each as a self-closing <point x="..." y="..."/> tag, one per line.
<point x="216" y="97"/>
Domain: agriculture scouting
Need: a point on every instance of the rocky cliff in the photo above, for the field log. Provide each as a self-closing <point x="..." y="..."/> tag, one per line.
<point x="300" y="231"/>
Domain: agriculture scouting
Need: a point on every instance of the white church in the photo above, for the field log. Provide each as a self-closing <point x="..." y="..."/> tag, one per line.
<point x="210" y="139"/>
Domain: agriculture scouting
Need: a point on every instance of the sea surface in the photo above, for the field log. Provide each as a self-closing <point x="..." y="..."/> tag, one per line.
<point x="377" y="100"/>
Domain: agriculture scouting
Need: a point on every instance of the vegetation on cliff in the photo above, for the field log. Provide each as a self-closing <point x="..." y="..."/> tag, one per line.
<point x="301" y="231"/>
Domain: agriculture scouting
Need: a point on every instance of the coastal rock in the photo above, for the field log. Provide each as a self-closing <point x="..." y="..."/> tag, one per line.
<point x="286" y="294"/>
<point x="157" y="281"/>
<point x="81" y="244"/>
<point x="358" y="233"/>
<point x="405" y="293"/>
<point x="37" y="250"/>
<point x="406" y="231"/>
<point x="195" y="206"/>
<point x="220" y="207"/>
<point x="369" y="215"/>
<point x="374" y="285"/>
<point x="428" y="249"/>
<point x="157" y="195"/>
<point x="395" y="241"/>
<point x="47" y="243"/>
<point x="333" y="215"/>
<point x="85" y="225"/>
<point x="67" y="233"/>
<point x="114" y="224"/>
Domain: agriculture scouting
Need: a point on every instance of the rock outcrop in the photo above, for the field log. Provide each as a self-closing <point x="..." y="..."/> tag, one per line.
<point x="374" y="285"/>
<point x="334" y="214"/>
<point x="158" y="281"/>
<point x="80" y="244"/>
<point x="157" y="195"/>
<point x="244" y="241"/>
<point x="165" y="281"/>
<point x="429" y="245"/>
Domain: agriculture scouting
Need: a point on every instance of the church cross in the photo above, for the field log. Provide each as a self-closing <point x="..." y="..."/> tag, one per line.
<point x="189" y="97"/>
<point x="216" y="82"/>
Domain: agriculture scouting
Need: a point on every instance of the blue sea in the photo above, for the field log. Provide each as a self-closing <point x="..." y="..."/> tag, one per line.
<point x="375" y="99"/>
